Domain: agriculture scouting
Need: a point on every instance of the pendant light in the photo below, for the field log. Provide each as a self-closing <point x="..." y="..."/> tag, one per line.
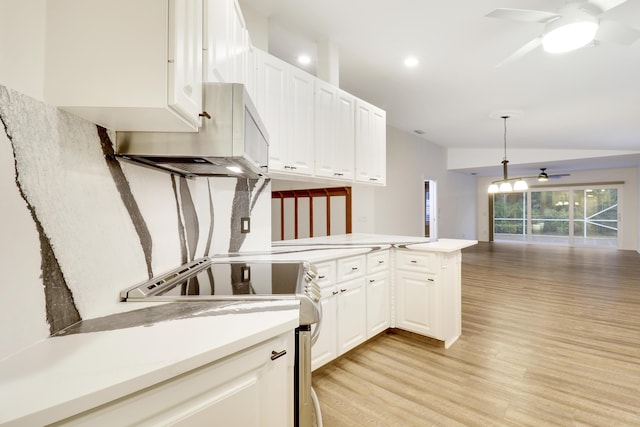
<point x="504" y="185"/>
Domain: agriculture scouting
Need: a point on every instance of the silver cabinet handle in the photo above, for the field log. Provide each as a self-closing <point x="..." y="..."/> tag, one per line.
<point x="276" y="355"/>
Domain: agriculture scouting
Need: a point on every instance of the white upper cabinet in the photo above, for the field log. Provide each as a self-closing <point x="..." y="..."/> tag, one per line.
<point x="226" y="43"/>
<point x="371" y="142"/>
<point x="126" y="65"/>
<point x="284" y="97"/>
<point x="334" y="132"/>
<point x="185" y="57"/>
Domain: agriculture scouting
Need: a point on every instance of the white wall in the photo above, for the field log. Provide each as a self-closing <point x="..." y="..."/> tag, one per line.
<point x="629" y="199"/>
<point x="22" y="28"/>
<point x="70" y="238"/>
<point x="399" y="206"/>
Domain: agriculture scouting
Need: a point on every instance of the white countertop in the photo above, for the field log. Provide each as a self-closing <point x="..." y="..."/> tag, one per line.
<point x="61" y="376"/>
<point x="343" y="241"/>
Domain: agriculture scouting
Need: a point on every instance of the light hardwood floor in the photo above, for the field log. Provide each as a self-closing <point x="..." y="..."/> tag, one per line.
<point x="550" y="337"/>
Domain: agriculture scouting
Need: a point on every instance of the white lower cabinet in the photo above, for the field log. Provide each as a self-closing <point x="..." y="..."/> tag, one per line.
<point x="245" y="389"/>
<point x="428" y="294"/>
<point x="325" y="348"/>
<point x="378" y="293"/>
<point x="378" y="309"/>
<point x="415" y="302"/>
<point x="363" y="296"/>
<point x="343" y="308"/>
<point x="352" y="324"/>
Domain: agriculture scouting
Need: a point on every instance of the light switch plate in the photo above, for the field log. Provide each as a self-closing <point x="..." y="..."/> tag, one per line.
<point x="245" y="224"/>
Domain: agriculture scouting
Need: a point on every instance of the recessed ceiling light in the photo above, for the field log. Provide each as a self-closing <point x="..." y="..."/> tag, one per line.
<point x="304" y="59"/>
<point x="411" y="61"/>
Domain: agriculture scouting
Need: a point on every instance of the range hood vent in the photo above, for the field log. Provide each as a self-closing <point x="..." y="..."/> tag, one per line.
<point x="232" y="140"/>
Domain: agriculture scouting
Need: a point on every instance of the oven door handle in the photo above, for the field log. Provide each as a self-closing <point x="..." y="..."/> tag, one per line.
<point x="316" y="330"/>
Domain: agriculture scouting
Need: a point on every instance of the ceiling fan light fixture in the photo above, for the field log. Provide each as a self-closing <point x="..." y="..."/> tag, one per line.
<point x="569" y="32"/>
<point x="542" y="176"/>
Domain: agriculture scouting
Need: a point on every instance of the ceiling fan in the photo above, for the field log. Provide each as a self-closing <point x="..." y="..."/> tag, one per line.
<point x="543" y="176"/>
<point x="572" y="26"/>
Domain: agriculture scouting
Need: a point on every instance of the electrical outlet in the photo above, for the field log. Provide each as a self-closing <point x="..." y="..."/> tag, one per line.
<point x="245" y="224"/>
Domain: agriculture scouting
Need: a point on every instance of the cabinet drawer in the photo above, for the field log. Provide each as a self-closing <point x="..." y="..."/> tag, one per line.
<point x="351" y="268"/>
<point x="326" y="274"/>
<point x="377" y="261"/>
<point x="417" y="261"/>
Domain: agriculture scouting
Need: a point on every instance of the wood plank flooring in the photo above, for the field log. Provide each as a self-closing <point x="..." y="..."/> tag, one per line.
<point x="550" y="337"/>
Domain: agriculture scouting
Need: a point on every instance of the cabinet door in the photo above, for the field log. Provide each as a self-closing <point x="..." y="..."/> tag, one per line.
<point x="239" y="47"/>
<point x="217" y="39"/>
<point x="272" y="105"/>
<point x="378" y="313"/>
<point x="185" y="58"/>
<point x="370" y="143"/>
<point x="363" y="136"/>
<point x="326" y="347"/>
<point x="300" y="122"/>
<point x="345" y="134"/>
<point x="378" y="168"/>
<point x="415" y="303"/>
<point x="325" y="103"/>
<point x="335" y="132"/>
<point x="352" y="325"/>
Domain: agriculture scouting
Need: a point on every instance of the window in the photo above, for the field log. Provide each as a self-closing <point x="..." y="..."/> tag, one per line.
<point x="510" y="216"/>
<point x="596" y="216"/>
<point x="587" y="216"/>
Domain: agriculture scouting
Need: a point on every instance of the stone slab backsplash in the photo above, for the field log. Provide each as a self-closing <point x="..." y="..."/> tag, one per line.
<point x="78" y="225"/>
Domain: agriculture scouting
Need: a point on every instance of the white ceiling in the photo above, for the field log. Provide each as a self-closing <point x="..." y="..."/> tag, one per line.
<point x="586" y="99"/>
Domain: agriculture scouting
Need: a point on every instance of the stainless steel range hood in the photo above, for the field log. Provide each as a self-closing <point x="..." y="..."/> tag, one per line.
<point x="232" y="140"/>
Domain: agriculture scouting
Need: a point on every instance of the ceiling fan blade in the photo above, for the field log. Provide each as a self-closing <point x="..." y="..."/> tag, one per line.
<point x="604" y="5"/>
<point x="558" y="175"/>
<point x="522" y="15"/>
<point x="617" y="32"/>
<point x="532" y="45"/>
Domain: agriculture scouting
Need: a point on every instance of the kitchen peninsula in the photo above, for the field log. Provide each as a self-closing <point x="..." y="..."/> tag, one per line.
<point x="369" y="283"/>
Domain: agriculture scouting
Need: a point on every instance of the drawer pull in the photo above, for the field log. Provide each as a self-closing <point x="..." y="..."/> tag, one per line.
<point x="381" y="262"/>
<point x="335" y="293"/>
<point x="354" y="268"/>
<point x="322" y="276"/>
<point x="276" y="355"/>
<point x="430" y="279"/>
<point x="372" y="280"/>
<point x="343" y="290"/>
<point x="413" y="261"/>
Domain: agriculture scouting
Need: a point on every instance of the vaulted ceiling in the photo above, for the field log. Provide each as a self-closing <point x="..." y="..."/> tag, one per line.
<point x="588" y="99"/>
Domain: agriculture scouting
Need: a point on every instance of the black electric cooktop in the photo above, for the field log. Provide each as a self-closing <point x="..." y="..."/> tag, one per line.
<point x="203" y="278"/>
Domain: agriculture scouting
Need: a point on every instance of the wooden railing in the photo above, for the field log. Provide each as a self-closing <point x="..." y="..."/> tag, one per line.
<point x="312" y="193"/>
